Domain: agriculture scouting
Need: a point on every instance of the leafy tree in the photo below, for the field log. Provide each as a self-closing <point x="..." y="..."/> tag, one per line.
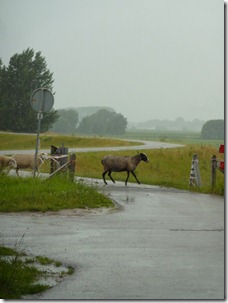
<point x="213" y="129"/>
<point x="68" y="119"/>
<point x="103" y="122"/>
<point x="25" y="73"/>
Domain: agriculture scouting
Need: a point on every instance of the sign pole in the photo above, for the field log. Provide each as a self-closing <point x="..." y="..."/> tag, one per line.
<point x="39" y="117"/>
<point x="41" y="101"/>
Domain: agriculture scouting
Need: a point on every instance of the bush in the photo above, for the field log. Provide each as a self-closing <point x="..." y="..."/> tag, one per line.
<point x="213" y="129"/>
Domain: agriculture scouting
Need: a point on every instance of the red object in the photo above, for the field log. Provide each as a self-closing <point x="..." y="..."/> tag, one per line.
<point x="221" y="162"/>
<point x="221" y="148"/>
<point x="221" y="165"/>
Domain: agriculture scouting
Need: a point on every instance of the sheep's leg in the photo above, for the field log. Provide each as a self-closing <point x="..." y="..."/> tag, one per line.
<point x="135" y="177"/>
<point x="103" y="175"/>
<point x="17" y="171"/>
<point x="110" y="176"/>
<point x="8" y="170"/>
<point x="38" y="171"/>
<point x="127" y="177"/>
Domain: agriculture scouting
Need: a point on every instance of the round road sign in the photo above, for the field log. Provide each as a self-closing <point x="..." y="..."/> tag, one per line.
<point x="42" y="100"/>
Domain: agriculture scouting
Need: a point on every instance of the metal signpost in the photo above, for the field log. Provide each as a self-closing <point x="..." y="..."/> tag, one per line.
<point x="41" y="101"/>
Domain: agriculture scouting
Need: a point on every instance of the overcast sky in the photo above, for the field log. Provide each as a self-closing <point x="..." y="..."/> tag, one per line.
<point x="148" y="59"/>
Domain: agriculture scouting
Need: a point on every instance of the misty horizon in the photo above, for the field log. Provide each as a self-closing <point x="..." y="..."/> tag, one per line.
<point x="148" y="59"/>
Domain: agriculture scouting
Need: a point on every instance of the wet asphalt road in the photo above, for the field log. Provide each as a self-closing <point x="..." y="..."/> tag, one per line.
<point x="144" y="145"/>
<point x="160" y="244"/>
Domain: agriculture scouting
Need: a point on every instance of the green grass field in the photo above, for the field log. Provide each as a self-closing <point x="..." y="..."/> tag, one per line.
<point x="167" y="167"/>
<point x="181" y="137"/>
<point x="9" y="141"/>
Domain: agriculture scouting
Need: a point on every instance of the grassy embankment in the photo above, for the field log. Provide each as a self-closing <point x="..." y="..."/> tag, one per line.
<point x="29" y="194"/>
<point x="9" y="141"/>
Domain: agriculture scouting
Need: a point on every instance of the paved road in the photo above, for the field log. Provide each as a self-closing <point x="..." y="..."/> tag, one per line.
<point x="160" y="244"/>
<point x="144" y="145"/>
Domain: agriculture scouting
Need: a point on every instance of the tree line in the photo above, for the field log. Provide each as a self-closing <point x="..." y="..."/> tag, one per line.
<point x="102" y="122"/>
<point x="27" y="72"/>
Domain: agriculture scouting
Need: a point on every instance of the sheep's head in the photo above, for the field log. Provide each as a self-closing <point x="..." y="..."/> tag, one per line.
<point x="144" y="157"/>
<point x="44" y="156"/>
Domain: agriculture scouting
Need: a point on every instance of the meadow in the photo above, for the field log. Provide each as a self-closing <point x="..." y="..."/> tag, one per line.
<point x="167" y="167"/>
<point x="180" y="137"/>
<point x="11" y="141"/>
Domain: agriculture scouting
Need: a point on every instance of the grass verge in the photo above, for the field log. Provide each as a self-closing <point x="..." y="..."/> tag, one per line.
<point x="35" y="194"/>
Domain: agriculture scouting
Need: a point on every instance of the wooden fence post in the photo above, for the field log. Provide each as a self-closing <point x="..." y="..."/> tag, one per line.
<point x="64" y="160"/>
<point x="58" y="159"/>
<point x="71" y="167"/>
<point x="53" y="165"/>
<point x="194" y="173"/>
<point x="213" y="170"/>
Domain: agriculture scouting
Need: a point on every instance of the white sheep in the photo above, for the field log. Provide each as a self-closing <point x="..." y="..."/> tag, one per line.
<point x="27" y="161"/>
<point x="7" y="162"/>
<point x="122" y="163"/>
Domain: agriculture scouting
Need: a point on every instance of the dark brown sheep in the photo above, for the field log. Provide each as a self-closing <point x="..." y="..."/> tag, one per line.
<point x="122" y="163"/>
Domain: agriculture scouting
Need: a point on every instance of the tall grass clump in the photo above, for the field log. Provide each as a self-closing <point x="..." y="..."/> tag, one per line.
<point x="22" y="275"/>
<point x="17" y="278"/>
<point x="34" y="194"/>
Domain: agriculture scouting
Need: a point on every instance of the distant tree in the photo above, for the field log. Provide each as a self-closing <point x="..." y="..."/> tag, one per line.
<point x="179" y="123"/>
<point x="67" y="122"/>
<point x="25" y="73"/>
<point x="90" y="110"/>
<point x="213" y="129"/>
<point x="103" y="122"/>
